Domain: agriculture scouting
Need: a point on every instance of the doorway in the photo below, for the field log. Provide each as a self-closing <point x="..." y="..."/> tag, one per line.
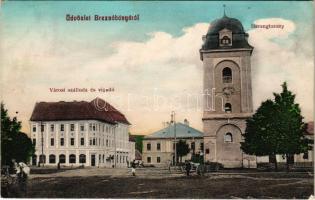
<point x="93" y="160"/>
<point x="34" y="160"/>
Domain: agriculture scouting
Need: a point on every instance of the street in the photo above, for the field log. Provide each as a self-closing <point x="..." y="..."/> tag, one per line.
<point x="160" y="183"/>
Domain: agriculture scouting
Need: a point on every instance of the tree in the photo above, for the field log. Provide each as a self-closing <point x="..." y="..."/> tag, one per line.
<point x="182" y="149"/>
<point x="277" y="127"/>
<point x="14" y="144"/>
<point x="197" y="158"/>
<point x="291" y="128"/>
<point x="260" y="137"/>
<point x="139" y="144"/>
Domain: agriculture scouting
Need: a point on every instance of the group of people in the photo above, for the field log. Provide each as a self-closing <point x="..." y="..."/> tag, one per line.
<point x="187" y="167"/>
<point x="22" y="173"/>
<point x="16" y="185"/>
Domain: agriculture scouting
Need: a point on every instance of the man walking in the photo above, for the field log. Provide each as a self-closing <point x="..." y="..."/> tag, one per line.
<point x="133" y="168"/>
<point x="188" y="167"/>
<point x="169" y="165"/>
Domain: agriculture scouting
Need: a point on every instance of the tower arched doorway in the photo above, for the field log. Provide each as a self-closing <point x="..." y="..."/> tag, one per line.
<point x="228" y="145"/>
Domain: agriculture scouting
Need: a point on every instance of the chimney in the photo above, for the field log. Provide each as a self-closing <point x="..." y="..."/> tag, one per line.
<point x="186" y="122"/>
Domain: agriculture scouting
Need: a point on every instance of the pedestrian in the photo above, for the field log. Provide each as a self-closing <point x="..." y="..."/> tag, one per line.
<point x="188" y="167"/>
<point x="22" y="174"/>
<point x="15" y="166"/>
<point x="133" y="168"/>
<point x="200" y="169"/>
<point x="58" y="166"/>
<point x="169" y="165"/>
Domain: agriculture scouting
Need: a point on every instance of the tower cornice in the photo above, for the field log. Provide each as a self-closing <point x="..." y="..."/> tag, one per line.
<point x="227" y="116"/>
<point x="227" y="50"/>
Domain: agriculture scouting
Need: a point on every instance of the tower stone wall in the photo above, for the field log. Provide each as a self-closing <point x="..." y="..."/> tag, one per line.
<point x="227" y="87"/>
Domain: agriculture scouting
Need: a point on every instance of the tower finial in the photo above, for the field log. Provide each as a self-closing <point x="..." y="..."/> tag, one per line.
<point x="224" y="10"/>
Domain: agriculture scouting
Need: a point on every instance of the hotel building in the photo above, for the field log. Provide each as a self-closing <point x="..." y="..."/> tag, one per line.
<point x="80" y="133"/>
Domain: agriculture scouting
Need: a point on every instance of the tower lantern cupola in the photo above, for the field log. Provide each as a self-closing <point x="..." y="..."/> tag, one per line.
<point x="225" y="33"/>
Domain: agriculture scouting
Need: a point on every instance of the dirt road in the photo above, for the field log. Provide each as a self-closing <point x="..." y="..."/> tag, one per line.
<point x="160" y="183"/>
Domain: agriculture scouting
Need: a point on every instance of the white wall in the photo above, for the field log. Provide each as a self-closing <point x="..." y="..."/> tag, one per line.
<point x="99" y="139"/>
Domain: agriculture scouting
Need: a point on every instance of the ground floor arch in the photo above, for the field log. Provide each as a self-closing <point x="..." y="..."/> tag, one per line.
<point x="228" y="145"/>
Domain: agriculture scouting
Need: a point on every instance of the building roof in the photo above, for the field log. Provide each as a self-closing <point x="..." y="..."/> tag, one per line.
<point x="132" y="138"/>
<point x="97" y="109"/>
<point x="310" y="128"/>
<point x="239" y="37"/>
<point x="182" y="131"/>
<point x="232" y="24"/>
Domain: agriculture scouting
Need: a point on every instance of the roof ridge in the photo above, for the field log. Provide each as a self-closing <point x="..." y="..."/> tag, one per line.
<point x="76" y="110"/>
<point x="182" y="130"/>
<point x="74" y="101"/>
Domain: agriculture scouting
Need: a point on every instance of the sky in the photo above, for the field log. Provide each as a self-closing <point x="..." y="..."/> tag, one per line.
<point x="153" y="64"/>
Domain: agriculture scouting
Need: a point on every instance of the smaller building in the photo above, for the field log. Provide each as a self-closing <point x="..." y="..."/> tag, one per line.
<point x="159" y="147"/>
<point x="308" y="157"/>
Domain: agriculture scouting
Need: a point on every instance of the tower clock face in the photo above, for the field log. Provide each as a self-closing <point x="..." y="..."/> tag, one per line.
<point x="228" y="91"/>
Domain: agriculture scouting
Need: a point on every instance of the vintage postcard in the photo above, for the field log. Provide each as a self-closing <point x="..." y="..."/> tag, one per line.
<point x="157" y="99"/>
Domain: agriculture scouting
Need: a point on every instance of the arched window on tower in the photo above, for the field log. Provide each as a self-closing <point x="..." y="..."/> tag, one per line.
<point x="228" y="108"/>
<point x="225" y="41"/>
<point x="228" y="137"/>
<point x="227" y="75"/>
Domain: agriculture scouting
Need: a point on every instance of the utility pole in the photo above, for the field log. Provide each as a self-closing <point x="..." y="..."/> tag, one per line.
<point x="173" y="121"/>
<point x="42" y="134"/>
<point x="242" y="160"/>
<point x="115" y="159"/>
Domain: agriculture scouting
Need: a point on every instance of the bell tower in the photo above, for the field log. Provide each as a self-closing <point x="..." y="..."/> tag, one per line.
<point x="226" y="56"/>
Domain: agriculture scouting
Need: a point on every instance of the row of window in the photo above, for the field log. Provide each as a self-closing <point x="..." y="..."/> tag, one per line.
<point x="62" y="141"/>
<point x="92" y="127"/>
<point x="62" y="158"/>
<point x="82" y="158"/>
<point x="158" y="146"/>
<point x="158" y="159"/>
<point x="93" y="142"/>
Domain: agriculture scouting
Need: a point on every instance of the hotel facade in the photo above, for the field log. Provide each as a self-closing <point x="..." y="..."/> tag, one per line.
<point x="80" y="133"/>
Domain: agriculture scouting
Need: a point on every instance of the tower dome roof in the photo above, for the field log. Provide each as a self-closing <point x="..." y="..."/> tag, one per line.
<point x="238" y="34"/>
<point x="231" y="24"/>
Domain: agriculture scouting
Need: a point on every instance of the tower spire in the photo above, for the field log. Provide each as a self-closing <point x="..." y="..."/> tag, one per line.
<point x="224" y="15"/>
